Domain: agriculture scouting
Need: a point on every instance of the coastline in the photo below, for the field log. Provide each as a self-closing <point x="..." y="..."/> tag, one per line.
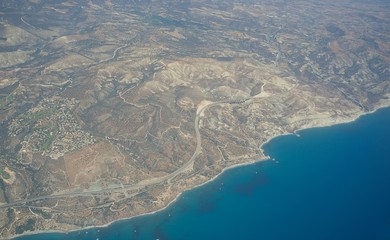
<point x="328" y="122"/>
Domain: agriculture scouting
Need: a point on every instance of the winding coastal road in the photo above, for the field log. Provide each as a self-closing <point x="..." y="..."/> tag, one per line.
<point x="145" y="183"/>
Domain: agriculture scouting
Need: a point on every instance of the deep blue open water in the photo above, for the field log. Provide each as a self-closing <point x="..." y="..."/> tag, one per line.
<point x="330" y="183"/>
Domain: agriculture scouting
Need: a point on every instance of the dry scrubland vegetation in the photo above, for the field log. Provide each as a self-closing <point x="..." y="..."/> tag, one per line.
<point x="110" y="109"/>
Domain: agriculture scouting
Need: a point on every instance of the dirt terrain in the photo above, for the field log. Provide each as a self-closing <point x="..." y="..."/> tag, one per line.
<point x="111" y="109"/>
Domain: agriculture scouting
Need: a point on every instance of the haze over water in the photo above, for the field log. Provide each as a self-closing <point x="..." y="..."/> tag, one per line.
<point x="330" y="183"/>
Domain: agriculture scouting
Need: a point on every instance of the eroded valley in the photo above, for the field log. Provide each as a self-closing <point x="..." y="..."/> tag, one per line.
<point x="111" y="109"/>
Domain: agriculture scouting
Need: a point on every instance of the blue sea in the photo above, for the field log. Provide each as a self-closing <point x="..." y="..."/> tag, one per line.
<point x="330" y="183"/>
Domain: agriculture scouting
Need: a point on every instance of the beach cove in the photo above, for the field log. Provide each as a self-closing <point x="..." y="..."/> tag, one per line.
<point x="326" y="183"/>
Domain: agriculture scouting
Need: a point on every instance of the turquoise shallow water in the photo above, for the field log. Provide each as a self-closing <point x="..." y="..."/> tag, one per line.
<point x="330" y="183"/>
